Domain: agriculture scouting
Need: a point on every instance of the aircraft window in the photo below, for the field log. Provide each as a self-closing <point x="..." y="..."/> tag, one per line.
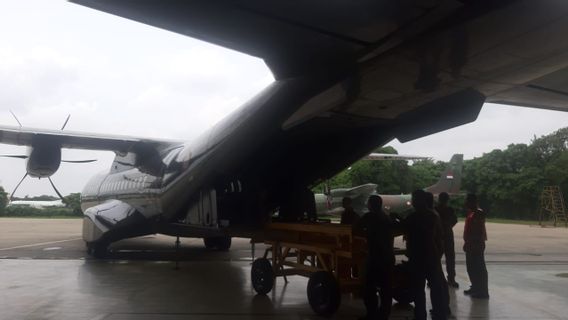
<point x="184" y="155"/>
<point x="176" y="161"/>
<point x="171" y="154"/>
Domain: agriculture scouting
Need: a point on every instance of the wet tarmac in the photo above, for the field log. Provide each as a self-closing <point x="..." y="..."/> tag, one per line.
<point x="45" y="274"/>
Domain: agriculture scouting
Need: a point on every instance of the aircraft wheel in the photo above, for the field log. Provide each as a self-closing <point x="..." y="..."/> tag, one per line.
<point x="262" y="276"/>
<point x="224" y="243"/>
<point x="324" y="295"/>
<point x="220" y="243"/>
<point x="209" y="243"/>
<point x="97" y="250"/>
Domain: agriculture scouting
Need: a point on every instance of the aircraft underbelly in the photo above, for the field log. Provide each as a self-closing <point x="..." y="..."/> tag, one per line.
<point x="114" y="220"/>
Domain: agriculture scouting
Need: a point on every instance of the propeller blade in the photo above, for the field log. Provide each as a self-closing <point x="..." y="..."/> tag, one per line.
<point x="57" y="191"/>
<point x="79" y="161"/>
<point x="18" y="156"/>
<point x="14" y="115"/>
<point x="66" y="120"/>
<point x="17" y="186"/>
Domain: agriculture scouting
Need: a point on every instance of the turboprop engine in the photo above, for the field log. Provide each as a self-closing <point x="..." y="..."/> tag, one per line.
<point x="44" y="160"/>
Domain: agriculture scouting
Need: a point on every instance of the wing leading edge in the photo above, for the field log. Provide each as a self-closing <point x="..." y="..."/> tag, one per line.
<point x="23" y="136"/>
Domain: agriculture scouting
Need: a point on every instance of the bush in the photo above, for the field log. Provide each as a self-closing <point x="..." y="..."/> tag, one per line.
<point x="25" y="211"/>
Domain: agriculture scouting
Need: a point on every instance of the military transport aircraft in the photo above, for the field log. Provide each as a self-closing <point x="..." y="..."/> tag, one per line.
<point x="330" y="202"/>
<point x="349" y="77"/>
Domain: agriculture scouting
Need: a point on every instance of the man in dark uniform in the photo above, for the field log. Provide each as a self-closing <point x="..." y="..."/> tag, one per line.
<point x="377" y="227"/>
<point x="449" y="220"/>
<point x="445" y="290"/>
<point x="348" y="216"/>
<point x="475" y="235"/>
<point x="424" y="246"/>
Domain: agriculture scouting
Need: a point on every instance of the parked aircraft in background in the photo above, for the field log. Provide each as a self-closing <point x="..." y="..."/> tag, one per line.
<point x="330" y="204"/>
<point x="37" y="203"/>
<point x="349" y="77"/>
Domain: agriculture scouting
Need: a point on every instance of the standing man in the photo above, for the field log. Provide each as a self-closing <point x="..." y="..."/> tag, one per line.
<point x="449" y="220"/>
<point x="377" y="228"/>
<point x="475" y="235"/>
<point x="424" y="246"/>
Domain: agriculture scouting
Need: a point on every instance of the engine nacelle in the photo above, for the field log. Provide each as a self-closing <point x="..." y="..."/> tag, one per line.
<point x="44" y="160"/>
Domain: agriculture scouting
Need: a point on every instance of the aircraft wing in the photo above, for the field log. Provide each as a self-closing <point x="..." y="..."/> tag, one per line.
<point x="74" y="140"/>
<point x="353" y="75"/>
<point x="522" y="61"/>
<point x="390" y="156"/>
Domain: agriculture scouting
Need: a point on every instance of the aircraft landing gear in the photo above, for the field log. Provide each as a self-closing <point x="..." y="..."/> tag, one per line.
<point x="97" y="250"/>
<point x="219" y="243"/>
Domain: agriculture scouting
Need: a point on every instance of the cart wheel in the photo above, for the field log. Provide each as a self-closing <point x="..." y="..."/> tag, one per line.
<point x="323" y="293"/>
<point x="262" y="276"/>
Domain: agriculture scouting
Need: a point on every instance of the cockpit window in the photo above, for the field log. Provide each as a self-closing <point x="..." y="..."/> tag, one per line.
<point x="175" y="162"/>
<point x="169" y="158"/>
<point x="184" y="155"/>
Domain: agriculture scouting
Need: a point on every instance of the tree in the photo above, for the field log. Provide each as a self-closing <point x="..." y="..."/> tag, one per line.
<point x="73" y="201"/>
<point x="3" y="200"/>
<point x="424" y="173"/>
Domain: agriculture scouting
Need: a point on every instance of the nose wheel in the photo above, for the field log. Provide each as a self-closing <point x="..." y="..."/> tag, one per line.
<point x="97" y="250"/>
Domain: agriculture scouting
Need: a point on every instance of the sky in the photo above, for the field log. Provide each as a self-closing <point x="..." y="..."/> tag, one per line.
<point x="116" y="76"/>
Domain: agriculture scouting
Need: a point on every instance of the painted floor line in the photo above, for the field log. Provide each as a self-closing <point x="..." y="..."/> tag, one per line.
<point x="39" y="244"/>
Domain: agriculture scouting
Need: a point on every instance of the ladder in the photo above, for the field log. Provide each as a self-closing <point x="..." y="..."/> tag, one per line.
<point x="552" y="206"/>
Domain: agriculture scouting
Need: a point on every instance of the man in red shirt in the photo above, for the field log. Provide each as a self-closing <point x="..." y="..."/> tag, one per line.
<point x="475" y="236"/>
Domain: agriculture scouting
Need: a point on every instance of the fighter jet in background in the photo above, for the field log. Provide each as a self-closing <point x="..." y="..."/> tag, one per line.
<point x="349" y="77"/>
<point x="330" y="203"/>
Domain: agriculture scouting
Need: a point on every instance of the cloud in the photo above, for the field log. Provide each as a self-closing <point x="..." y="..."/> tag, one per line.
<point x="33" y="78"/>
<point x="113" y="76"/>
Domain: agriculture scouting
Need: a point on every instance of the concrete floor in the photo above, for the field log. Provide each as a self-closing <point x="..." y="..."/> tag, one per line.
<point x="45" y="274"/>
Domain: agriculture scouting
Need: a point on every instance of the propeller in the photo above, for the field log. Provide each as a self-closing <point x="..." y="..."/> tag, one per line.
<point x="21" y="156"/>
<point x="17" y="186"/>
<point x="14" y="115"/>
<point x="57" y="191"/>
<point x="79" y="161"/>
<point x="65" y="123"/>
<point x="27" y="156"/>
<point x="50" y="181"/>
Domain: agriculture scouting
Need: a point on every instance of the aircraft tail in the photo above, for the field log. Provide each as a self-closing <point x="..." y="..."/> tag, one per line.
<point x="451" y="177"/>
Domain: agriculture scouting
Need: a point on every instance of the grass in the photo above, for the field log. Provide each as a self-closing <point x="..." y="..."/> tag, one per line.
<point x="511" y="221"/>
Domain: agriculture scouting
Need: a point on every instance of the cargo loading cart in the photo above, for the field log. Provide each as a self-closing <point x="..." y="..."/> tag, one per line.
<point x="328" y="254"/>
